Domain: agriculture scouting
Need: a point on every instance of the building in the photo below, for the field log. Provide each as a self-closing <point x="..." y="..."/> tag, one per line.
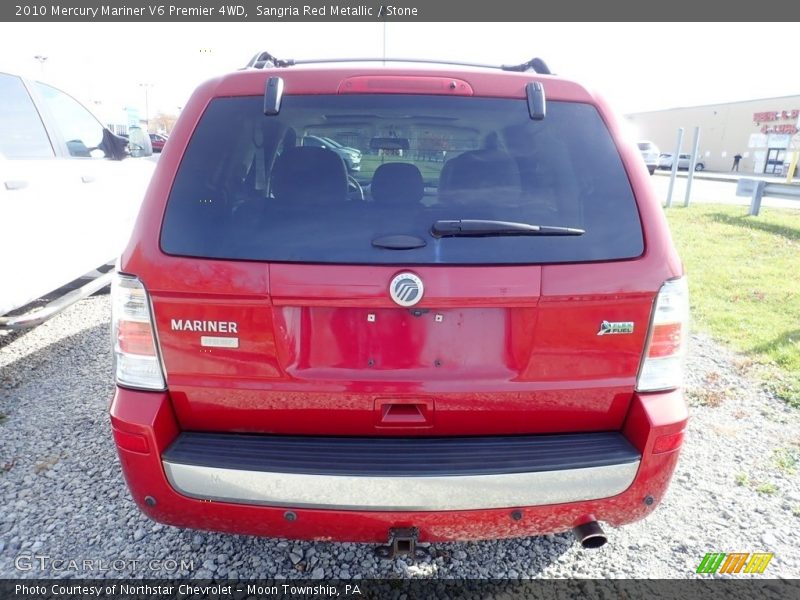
<point x="119" y="120"/>
<point x="764" y="132"/>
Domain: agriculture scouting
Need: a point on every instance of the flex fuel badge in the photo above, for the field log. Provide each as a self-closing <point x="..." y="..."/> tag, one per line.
<point x="615" y="327"/>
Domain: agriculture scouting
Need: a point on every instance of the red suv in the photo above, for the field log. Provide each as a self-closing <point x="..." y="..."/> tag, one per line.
<point x="480" y="334"/>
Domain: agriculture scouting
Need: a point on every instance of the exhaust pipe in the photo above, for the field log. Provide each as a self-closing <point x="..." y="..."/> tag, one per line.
<point x="590" y="534"/>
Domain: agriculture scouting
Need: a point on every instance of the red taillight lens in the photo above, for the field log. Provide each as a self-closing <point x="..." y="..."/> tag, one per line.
<point x="668" y="443"/>
<point x="662" y="363"/>
<point x="135" y="338"/>
<point x="131" y="441"/>
<point x="408" y="84"/>
<point x="136" y="357"/>
<point x="665" y="340"/>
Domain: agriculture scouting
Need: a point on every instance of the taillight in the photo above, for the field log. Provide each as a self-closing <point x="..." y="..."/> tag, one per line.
<point x="662" y="366"/>
<point x="136" y="360"/>
<point x="667" y="443"/>
<point x="405" y="84"/>
<point x="130" y="441"/>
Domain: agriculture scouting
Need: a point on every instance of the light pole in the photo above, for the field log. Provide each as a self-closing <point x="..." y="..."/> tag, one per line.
<point x="41" y="59"/>
<point x="146" y="87"/>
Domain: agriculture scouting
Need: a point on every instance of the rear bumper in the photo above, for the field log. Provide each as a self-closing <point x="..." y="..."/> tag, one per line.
<point x="347" y="506"/>
<point x="400" y="474"/>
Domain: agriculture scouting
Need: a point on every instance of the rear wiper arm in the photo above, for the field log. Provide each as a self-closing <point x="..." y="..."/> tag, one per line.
<point x="488" y="227"/>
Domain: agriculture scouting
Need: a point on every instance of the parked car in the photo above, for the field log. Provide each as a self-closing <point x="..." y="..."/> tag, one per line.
<point x="684" y="162"/>
<point x="350" y="156"/>
<point x="481" y="348"/>
<point x="158" y="141"/>
<point x="68" y="199"/>
<point x="137" y="143"/>
<point x="336" y="144"/>
<point x="650" y="154"/>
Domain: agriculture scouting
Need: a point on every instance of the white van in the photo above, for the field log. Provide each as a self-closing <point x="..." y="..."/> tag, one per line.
<point x="650" y="155"/>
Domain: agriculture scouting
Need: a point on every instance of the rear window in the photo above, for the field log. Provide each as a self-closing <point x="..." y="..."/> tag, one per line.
<point x="361" y="179"/>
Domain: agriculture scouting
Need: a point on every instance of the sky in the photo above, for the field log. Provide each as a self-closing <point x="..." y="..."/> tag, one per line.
<point x="636" y="66"/>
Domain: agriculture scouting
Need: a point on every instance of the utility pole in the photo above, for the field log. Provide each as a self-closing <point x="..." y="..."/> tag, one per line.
<point x="692" y="165"/>
<point x="674" y="166"/>
<point x="41" y="60"/>
<point x="146" y="87"/>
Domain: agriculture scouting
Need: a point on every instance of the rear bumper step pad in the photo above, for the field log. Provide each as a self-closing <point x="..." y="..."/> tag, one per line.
<point x="401" y="474"/>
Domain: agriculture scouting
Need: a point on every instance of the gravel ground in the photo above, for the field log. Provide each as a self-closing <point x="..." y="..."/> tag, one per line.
<point x="62" y="494"/>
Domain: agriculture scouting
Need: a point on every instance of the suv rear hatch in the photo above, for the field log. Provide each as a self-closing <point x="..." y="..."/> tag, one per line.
<point x="276" y="315"/>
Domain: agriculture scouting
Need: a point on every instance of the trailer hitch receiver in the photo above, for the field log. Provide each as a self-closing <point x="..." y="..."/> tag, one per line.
<point x="402" y="541"/>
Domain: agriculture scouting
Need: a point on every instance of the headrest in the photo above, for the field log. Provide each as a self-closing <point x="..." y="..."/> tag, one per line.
<point x="308" y="174"/>
<point x="397" y="183"/>
<point x="473" y="174"/>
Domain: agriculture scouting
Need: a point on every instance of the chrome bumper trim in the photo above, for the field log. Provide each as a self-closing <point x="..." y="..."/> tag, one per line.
<point x="400" y="493"/>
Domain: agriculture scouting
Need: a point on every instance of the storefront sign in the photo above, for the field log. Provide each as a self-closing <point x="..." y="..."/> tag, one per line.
<point x="778" y="115"/>
<point x="779" y="141"/>
<point x="787" y="129"/>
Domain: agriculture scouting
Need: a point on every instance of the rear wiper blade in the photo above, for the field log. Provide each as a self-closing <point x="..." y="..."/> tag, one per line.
<point x="488" y="227"/>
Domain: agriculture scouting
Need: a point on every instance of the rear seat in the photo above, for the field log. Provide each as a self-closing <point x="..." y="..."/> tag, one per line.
<point x="472" y="175"/>
<point x="397" y="183"/>
<point x="308" y="175"/>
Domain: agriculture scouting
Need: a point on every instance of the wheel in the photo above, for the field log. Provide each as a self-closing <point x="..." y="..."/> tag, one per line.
<point x="651" y="169"/>
<point x="699" y="167"/>
<point x="354" y="189"/>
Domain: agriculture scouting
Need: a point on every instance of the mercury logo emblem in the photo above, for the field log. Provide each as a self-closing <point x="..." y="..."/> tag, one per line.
<point x="406" y="289"/>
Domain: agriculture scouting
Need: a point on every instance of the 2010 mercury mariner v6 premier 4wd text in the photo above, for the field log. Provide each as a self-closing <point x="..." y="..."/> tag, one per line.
<point x="478" y="334"/>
